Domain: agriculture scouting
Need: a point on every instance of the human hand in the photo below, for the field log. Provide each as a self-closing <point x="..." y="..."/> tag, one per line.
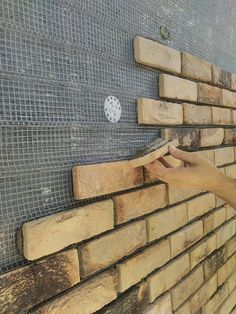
<point x="198" y="172"/>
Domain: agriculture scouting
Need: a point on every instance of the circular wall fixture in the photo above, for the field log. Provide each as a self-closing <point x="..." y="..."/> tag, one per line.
<point x="112" y="109"/>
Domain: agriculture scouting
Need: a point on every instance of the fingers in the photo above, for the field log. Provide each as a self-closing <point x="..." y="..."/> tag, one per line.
<point x="158" y="170"/>
<point x="165" y="162"/>
<point x="191" y="158"/>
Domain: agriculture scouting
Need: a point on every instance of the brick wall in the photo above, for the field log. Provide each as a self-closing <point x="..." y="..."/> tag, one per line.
<point x="147" y="247"/>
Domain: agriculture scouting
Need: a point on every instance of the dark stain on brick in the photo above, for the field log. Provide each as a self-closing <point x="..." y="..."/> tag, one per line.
<point x="214" y="261"/>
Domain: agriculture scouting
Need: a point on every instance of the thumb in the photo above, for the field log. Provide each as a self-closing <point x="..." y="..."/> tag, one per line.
<point x="182" y="155"/>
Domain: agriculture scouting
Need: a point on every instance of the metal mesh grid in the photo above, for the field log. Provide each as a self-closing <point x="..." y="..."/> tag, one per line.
<point x="59" y="60"/>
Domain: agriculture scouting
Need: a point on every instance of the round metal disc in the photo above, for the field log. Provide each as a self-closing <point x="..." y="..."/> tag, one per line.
<point x="112" y="109"/>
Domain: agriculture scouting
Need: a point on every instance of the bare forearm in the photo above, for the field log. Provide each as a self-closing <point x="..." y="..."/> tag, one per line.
<point x="227" y="190"/>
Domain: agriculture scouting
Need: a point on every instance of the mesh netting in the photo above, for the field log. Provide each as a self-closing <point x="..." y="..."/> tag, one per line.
<point x="59" y="60"/>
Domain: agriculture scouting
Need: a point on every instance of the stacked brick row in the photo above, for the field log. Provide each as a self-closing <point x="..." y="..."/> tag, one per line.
<point x="147" y="247"/>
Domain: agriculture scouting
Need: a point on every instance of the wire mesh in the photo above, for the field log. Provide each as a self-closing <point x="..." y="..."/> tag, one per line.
<point x="59" y="60"/>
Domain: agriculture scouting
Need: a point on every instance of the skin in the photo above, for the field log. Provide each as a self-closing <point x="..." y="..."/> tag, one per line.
<point x="198" y="173"/>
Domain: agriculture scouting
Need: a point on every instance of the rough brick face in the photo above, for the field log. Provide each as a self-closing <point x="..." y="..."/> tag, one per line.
<point x="188" y="137"/>
<point x="208" y="94"/>
<point x="221" y="77"/>
<point x="211" y="137"/>
<point x="172" y="87"/>
<point x="233" y="78"/>
<point x="155" y="112"/>
<point x="194" y="114"/>
<point x="226" y="270"/>
<point x="161" y="305"/>
<point x="137" y="203"/>
<point x="221" y="116"/>
<point x="156" y="55"/>
<point x="231" y="171"/>
<point x="224" y="155"/>
<point x="230" y="136"/>
<point x="200" y="205"/>
<point x="179" y="194"/>
<point x="195" y="68"/>
<point x="215" y="301"/>
<point x="228" y="304"/>
<point x="225" y="232"/>
<point x="214" y="261"/>
<point x="214" y="219"/>
<point x="229" y="98"/>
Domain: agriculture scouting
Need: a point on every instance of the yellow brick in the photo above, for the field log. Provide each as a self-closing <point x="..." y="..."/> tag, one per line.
<point x="220" y="76"/>
<point x="138" y="203"/>
<point x="179" y="194"/>
<point x="229" y="98"/>
<point x="134" y="269"/>
<point x="173" y="87"/>
<point x="215" y="301"/>
<point x="184" y="309"/>
<point x="214" y="219"/>
<point x="202" y="250"/>
<point x="186" y="287"/>
<point x="203" y="294"/>
<point x="224" y="155"/>
<point x="226" y="270"/>
<point x="162" y="306"/>
<point x="194" y="114"/>
<point x="232" y="281"/>
<point x="186" y="237"/>
<point x="209" y="154"/>
<point x="228" y="304"/>
<point x="195" y="67"/>
<point x="219" y="201"/>
<point x="167" y="277"/>
<point x="187" y="137"/>
<point x="104" y="251"/>
<point x="211" y="137"/>
<point x="230" y="211"/>
<point x="200" y="205"/>
<point x="231" y="246"/>
<point x="230" y="136"/>
<point x="208" y="94"/>
<point x="156" y="55"/>
<point x="225" y="232"/>
<point x="221" y="116"/>
<point x="163" y="223"/>
<point x="214" y="261"/>
<point x="231" y="171"/>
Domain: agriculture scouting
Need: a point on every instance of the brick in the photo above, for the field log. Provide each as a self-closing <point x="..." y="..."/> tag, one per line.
<point x="231" y="171"/>
<point x="228" y="98"/>
<point x="230" y="211"/>
<point x="195" y="67"/>
<point x="167" y="277"/>
<point x="134" y="301"/>
<point x="200" y="251"/>
<point x="184" y="309"/>
<point x="138" y="203"/>
<point x="230" y="136"/>
<point x="226" y="270"/>
<point x="233" y="79"/>
<point x="214" y="219"/>
<point x="221" y="116"/>
<point x="27" y="286"/>
<point x="156" y="112"/>
<point x="233" y="116"/>
<point x="99" y="179"/>
<point x="215" y="301"/>
<point x="200" y="205"/>
<point x="228" y="304"/>
<point x="162" y="305"/>
<point x="188" y="137"/>
<point x="185" y="238"/>
<point x="163" y="223"/>
<point x="231" y="246"/>
<point x="173" y="87"/>
<point x="203" y="294"/>
<point x="40" y="237"/>
<point x="225" y="232"/>
<point x="105" y="250"/>
<point x="209" y="154"/>
<point x="219" y="201"/>
<point x="134" y="269"/>
<point x="186" y="287"/>
<point x="179" y="194"/>
<point x="214" y="261"/>
<point x="156" y="55"/>
<point x="221" y="77"/>
<point x="208" y="94"/>
<point x="194" y="114"/>
<point x="224" y="155"/>
<point x="232" y="281"/>
<point x="211" y="137"/>
<point x="86" y="298"/>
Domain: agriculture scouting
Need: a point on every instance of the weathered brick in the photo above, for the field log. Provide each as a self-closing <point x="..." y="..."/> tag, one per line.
<point x="214" y="261"/>
<point x="233" y="79"/>
<point x="231" y="171"/>
<point x="214" y="302"/>
<point x="229" y="98"/>
<point x="184" y="308"/>
<point x="186" y="287"/>
<point x="221" y="77"/>
<point x="99" y="179"/>
<point x="230" y="136"/>
<point x="214" y="219"/>
<point x="156" y="112"/>
<point x="186" y="237"/>
<point x="138" y="203"/>
<point x="156" y="55"/>
<point x="221" y="116"/>
<point x="230" y="211"/>
<point x="195" y="67"/>
<point x="224" y="155"/>
<point x="225" y="232"/>
<point x="211" y="137"/>
<point x="231" y="246"/>
<point x="208" y="94"/>
<point x="194" y="114"/>
<point x="162" y="305"/>
<point x="200" y="251"/>
<point x="233" y="112"/>
<point x="173" y="87"/>
<point x="200" y="205"/>
<point x="226" y="270"/>
<point x="134" y="301"/>
<point x="232" y="281"/>
<point x="228" y="304"/>
<point x="168" y="276"/>
<point x="134" y="269"/>
<point x="219" y="201"/>
<point x="188" y="137"/>
<point x="105" y="250"/>
<point x="40" y="237"/>
<point x="203" y="294"/>
<point x="86" y="298"/>
<point x="179" y="194"/>
<point x="209" y="154"/>
<point x="27" y="286"/>
<point x="163" y="223"/>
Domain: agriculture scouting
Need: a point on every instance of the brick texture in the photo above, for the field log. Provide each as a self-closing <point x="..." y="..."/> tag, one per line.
<point x="221" y="77"/>
<point x="194" y="114"/>
<point x="179" y="194"/>
<point x="230" y="136"/>
<point x="228" y="304"/>
<point x="225" y="232"/>
<point x="161" y="305"/>
<point x="211" y="137"/>
<point x="228" y="98"/>
<point x="226" y="270"/>
<point x="214" y="302"/>
<point x="233" y="78"/>
<point x="188" y="137"/>
<point x="214" y="219"/>
<point x="213" y="262"/>
<point x="221" y="116"/>
<point x="208" y="94"/>
<point x="224" y="155"/>
<point x="200" y="205"/>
